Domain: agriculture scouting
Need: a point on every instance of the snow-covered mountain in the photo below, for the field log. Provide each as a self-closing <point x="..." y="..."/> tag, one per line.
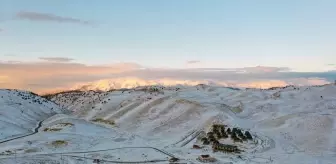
<point x="132" y="82"/>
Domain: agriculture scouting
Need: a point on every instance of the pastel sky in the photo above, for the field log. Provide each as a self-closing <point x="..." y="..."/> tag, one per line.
<point x="299" y="35"/>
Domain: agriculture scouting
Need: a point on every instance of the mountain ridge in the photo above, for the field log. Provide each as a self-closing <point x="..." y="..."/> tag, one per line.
<point x="133" y="82"/>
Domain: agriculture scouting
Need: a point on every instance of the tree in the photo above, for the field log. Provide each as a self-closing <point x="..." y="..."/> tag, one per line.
<point x="236" y="139"/>
<point x="222" y="130"/>
<point x="218" y="135"/>
<point x="234" y="130"/>
<point x="212" y="140"/>
<point x="239" y="132"/>
<point x="234" y="136"/>
<point x="243" y="138"/>
<point x="228" y="131"/>
<point x="206" y="142"/>
<point x="225" y="135"/>
<point x="248" y="135"/>
<point x="209" y="133"/>
<point x="240" y="135"/>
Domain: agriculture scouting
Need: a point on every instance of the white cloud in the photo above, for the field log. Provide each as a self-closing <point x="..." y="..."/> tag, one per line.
<point x="193" y="61"/>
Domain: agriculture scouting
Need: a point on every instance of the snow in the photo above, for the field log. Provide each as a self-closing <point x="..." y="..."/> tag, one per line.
<point x="292" y="124"/>
<point x="132" y="82"/>
<point x="21" y="111"/>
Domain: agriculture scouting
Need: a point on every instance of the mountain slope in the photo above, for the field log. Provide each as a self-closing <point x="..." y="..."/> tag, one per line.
<point x="60" y="138"/>
<point x="21" y="111"/>
<point x="155" y="123"/>
<point x="300" y="120"/>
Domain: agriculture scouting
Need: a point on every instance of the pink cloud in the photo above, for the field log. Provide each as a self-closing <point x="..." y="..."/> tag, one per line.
<point x="39" y="76"/>
<point x="47" y="76"/>
<point x="193" y="61"/>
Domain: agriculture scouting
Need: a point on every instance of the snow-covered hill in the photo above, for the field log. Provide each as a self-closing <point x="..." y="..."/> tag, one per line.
<point x="36" y="130"/>
<point x="296" y="122"/>
<point x="21" y="111"/>
<point x="156" y="123"/>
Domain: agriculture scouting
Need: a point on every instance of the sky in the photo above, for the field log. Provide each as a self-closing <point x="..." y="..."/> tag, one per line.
<point x="296" y="36"/>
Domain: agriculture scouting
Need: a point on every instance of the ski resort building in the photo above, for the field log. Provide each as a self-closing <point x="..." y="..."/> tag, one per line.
<point x="224" y="148"/>
<point x="206" y="159"/>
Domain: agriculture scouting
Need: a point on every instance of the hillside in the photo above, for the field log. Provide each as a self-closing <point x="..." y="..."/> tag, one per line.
<point x="156" y="124"/>
<point x="35" y="130"/>
<point x="21" y="111"/>
<point x="292" y="123"/>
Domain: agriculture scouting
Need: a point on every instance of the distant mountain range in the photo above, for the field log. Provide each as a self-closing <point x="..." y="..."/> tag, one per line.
<point x="119" y="83"/>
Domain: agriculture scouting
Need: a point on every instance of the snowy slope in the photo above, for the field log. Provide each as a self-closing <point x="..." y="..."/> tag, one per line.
<point x="77" y="139"/>
<point x="21" y="111"/>
<point x="297" y="123"/>
<point x="62" y="138"/>
<point x="156" y="123"/>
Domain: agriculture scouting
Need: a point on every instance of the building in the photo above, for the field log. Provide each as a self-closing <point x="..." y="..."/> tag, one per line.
<point x="206" y="158"/>
<point x="225" y="148"/>
<point x="96" y="161"/>
<point x="173" y="159"/>
<point x="196" y="147"/>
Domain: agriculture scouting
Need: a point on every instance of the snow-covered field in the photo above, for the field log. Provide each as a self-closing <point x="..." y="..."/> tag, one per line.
<point x="289" y="125"/>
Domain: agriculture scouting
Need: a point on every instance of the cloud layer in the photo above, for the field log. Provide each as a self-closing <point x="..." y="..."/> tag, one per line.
<point x="39" y="76"/>
<point x="46" y="17"/>
<point x="193" y="61"/>
<point x="56" y="59"/>
<point x="61" y="73"/>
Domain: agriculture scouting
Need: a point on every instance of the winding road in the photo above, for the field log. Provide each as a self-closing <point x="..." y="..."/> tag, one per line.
<point x="95" y="151"/>
<point x="36" y="130"/>
<point x="71" y="154"/>
<point x="108" y="161"/>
